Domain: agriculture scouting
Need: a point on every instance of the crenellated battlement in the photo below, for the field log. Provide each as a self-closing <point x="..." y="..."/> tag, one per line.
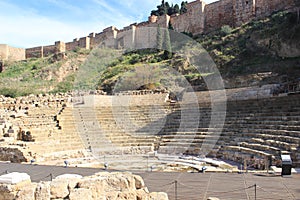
<point x="199" y="18"/>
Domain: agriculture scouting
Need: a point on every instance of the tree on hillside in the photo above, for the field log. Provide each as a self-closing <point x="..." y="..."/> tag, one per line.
<point x="176" y="9"/>
<point x="165" y="8"/>
<point x="183" y="8"/>
<point x="159" y="39"/>
<point x="167" y="45"/>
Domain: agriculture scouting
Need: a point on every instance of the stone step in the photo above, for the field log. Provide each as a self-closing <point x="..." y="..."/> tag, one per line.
<point x="248" y="151"/>
<point x="262" y="147"/>
<point x="276" y="143"/>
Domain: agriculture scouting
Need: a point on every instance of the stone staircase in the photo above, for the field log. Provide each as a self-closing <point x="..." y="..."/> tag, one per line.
<point x="52" y="142"/>
<point x="131" y="130"/>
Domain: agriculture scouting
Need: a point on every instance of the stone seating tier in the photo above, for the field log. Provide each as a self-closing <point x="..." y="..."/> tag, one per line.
<point x="261" y="128"/>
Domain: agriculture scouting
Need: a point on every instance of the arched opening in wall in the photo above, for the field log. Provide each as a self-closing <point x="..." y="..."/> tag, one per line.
<point x="247" y="2"/>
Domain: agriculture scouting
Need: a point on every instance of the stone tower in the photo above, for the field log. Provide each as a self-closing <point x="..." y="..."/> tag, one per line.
<point x="244" y="11"/>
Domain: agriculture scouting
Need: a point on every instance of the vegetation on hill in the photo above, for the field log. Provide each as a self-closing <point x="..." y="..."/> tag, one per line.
<point x="42" y="75"/>
<point x="268" y="46"/>
<point x="144" y="69"/>
<point x="166" y="8"/>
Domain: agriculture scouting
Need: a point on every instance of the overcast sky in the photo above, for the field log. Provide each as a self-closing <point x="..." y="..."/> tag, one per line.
<point x="29" y="23"/>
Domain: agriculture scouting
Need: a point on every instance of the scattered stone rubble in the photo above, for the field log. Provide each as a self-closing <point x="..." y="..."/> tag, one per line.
<point x="100" y="186"/>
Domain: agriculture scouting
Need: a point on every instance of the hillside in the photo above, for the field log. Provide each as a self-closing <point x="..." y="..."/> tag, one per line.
<point x="260" y="52"/>
<point x="41" y="75"/>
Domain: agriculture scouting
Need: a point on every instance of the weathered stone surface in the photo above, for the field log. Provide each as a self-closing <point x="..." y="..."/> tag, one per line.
<point x="7" y="192"/>
<point x="26" y="192"/>
<point x="158" y="195"/>
<point x="59" y="188"/>
<point x="127" y="195"/>
<point x="142" y="194"/>
<point x="42" y="191"/>
<point x="14" y="155"/>
<point x="95" y="186"/>
<point x="212" y="198"/>
<point x="139" y="182"/>
<point x="80" y="194"/>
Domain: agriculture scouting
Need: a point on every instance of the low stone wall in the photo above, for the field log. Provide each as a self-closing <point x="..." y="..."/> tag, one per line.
<point x="100" y="186"/>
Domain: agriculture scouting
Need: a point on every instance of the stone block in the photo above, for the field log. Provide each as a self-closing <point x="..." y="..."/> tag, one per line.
<point x="139" y="182"/>
<point x="80" y="193"/>
<point x="14" y="178"/>
<point x="158" y="195"/>
<point x="59" y="189"/>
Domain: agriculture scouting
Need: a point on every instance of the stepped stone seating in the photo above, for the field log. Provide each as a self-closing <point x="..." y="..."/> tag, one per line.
<point x="36" y="116"/>
<point x="103" y="129"/>
<point x="255" y="130"/>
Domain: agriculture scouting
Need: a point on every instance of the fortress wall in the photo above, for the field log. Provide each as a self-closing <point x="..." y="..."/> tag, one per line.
<point x="163" y="21"/>
<point x="3" y="51"/>
<point x="11" y="53"/>
<point x="195" y="16"/>
<point x="151" y="19"/>
<point x="266" y="7"/>
<point x="49" y="50"/>
<point x="126" y="37"/>
<point x="16" y="53"/>
<point x="71" y="45"/>
<point x="199" y="18"/>
<point x="244" y="11"/>
<point x="83" y="42"/>
<point x="106" y="38"/>
<point x="111" y="34"/>
<point x="35" y="52"/>
<point x="97" y="39"/>
<point x="218" y="14"/>
<point x="146" y="35"/>
<point x="44" y="51"/>
<point x="60" y="46"/>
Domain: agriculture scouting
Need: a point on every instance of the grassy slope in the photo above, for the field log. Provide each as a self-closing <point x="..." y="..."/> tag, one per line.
<point x="43" y="75"/>
<point x="247" y="50"/>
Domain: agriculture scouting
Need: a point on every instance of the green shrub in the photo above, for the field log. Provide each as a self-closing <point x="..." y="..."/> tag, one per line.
<point x="134" y="59"/>
<point x="226" y="30"/>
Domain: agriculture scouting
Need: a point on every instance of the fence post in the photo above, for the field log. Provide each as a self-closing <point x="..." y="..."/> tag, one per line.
<point x="175" y="190"/>
<point x="255" y="191"/>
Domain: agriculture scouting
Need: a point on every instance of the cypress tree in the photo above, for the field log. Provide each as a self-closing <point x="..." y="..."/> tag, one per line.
<point x="176" y="9"/>
<point x="159" y="39"/>
<point x="183" y="8"/>
<point x="166" y="8"/>
<point x="167" y="45"/>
